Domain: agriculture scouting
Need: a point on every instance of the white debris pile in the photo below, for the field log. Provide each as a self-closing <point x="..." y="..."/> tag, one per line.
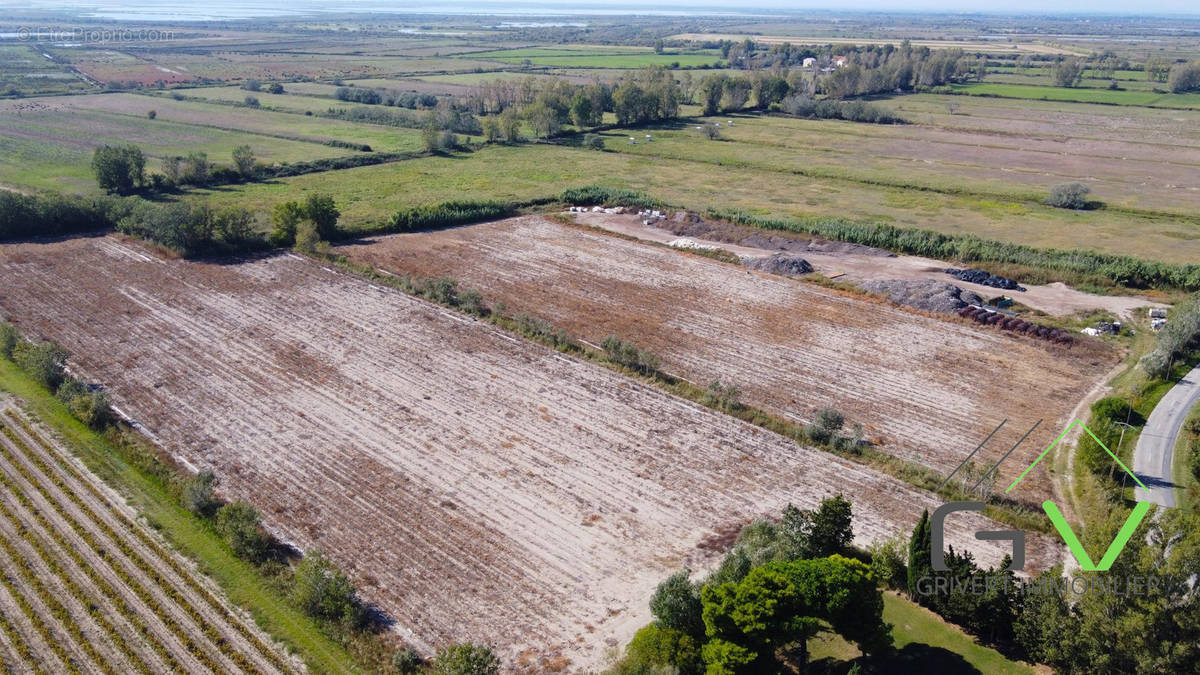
<point x="692" y="244"/>
<point x="597" y="209"/>
<point x="651" y="216"/>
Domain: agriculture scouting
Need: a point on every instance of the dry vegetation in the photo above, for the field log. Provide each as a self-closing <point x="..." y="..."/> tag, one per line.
<point x="927" y="388"/>
<point x="475" y="486"/>
<point x="88" y="588"/>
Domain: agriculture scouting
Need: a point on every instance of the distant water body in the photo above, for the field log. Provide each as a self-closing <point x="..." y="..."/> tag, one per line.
<point x="229" y="10"/>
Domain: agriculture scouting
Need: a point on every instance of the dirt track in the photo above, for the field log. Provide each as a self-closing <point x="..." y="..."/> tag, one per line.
<point x="1056" y="298"/>
<point x="474" y="485"/>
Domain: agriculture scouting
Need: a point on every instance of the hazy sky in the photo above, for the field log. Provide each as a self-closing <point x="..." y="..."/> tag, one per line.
<point x="234" y="8"/>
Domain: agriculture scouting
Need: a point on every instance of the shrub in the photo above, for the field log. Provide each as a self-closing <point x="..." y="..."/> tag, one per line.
<point x="251" y="101"/>
<point x="9" y="337"/>
<point x="1069" y="196"/>
<point x="1194" y="457"/>
<point x="830" y="420"/>
<point x="197" y="494"/>
<point x="888" y="565"/>
<point x="152" y="114"/>
<point x="90" y="406"/>
<point x="540" y="329"/>
<point x="252" y="85"/>
<point x="406" y="661"/>
<point x="1184" y="77"/>
<point x="45" y="362"/>
<point x="600" y="195"/>
<point x="629" y="356"/>
<point x="724" y="397"/>
<point x="593" y="142"/>
<point x="239" y="524"/>
<point x="466" y="659"/>
<point x="324" y="592"/>
<point x="45" y="215"/>
<point x="658" y="645"/>
<point x="446" y="214"/>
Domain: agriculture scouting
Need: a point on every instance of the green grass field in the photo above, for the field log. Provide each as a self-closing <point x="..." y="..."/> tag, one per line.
<point x="924" y="643"/>
<point x="53" y="149"/>
<point x="371" y="194"/>
<point x="1081" y="95"/>
<point x="240" y="581"/>
<point x="581" y="57"/>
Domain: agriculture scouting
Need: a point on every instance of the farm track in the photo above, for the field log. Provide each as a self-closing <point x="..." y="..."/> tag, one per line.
<point x="928" y="388"/>
<point x="475" y="486"/>
<point x="146" y="610"/>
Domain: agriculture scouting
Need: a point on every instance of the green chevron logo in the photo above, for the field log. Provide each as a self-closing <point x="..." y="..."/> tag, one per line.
<point x="1064" y="528"/>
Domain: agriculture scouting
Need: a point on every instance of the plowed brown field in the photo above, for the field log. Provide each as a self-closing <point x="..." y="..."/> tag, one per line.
<point x="474" y="485"/>
<point x="930" y="389"/>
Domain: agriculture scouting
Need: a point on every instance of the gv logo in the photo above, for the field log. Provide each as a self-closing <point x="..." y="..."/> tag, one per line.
<point x="937" y="537"/>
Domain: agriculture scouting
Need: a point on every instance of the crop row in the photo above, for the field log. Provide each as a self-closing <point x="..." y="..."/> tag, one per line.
<point x="38" y="624"/>
<point x="61" y="613"/>
<point x="35" y="616"/>
<point x="53" y="563"/>
<point x="155" y="547"/>
<point x="18" y="643"/>
<point x="160" y="553"/>
<point x="106" y="589"/>
<point x="144" y="594"/>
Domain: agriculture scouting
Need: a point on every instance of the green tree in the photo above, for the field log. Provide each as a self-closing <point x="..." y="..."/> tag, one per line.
<point x="1157" y="69"/>
<point x="583" y="111"/>
<point x="919" y="563"/>
<point x="491" y="129"/>
<point x="676" y="605"/>
<point x="323" y="212"/>
<point x="243" y="160"/>
<point x="431" y="138"/>
<point x="1067" y="72"/>
<point x="510" y="126"/>
<point x="1184" y="77"/>
<point x="831" y="528"/>
<point x="119" y="169"/>
<point x="778" y="607"/>
<point x="239" y="524"/>
<point x="466" y="659"/>
<point x="324" y="592"/>
<point x="195" y="168"/>
<point x="285" y="217"/>
<point x="9" y="338"/>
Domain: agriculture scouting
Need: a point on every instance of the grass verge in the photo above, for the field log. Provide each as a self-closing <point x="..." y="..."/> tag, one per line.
<point x="240" y="581"/>
<point x="924" y="643"/>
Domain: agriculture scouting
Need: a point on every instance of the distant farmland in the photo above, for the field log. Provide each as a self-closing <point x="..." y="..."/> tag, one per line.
<point x="476" y="486"/>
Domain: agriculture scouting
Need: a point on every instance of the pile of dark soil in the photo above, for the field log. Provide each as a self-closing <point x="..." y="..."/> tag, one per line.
<point x="984" y="279"/>
<point x="780" y="263"/>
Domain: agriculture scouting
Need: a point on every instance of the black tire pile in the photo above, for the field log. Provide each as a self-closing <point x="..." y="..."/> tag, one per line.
<point x="984" y="279"/>
<point x="1016" y="324"/>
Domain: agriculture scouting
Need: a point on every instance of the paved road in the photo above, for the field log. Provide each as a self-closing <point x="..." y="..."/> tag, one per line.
<point x="1153" y="455"/>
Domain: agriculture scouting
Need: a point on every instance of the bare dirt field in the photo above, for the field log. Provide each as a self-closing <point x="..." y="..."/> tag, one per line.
<point x="474" y="485"/>
<point x="928" y="389"/>
<point x="856" y="264"/>
<point x="88" y="588"/>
